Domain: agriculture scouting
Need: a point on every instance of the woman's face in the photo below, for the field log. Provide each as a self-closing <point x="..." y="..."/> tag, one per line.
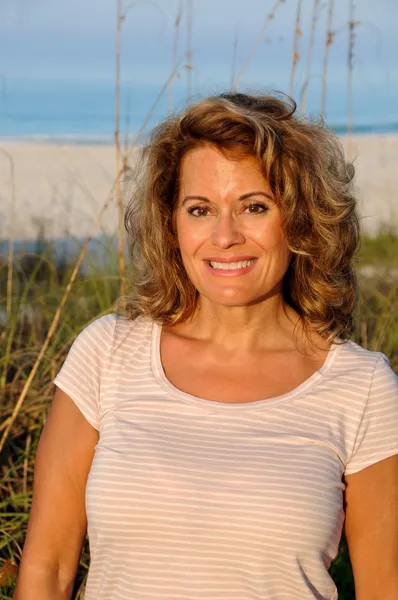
<point x="229" y="229"/>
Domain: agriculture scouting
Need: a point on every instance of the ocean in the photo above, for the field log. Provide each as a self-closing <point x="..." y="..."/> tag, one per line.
<point x="83" y="112"/>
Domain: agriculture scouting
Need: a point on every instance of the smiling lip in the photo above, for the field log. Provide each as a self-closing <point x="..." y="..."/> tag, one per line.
<point x="229" y="272"/>
<point x="230" y="260"/>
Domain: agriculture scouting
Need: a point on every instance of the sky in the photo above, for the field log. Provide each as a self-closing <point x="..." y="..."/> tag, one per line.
<point x="74" y="40"/>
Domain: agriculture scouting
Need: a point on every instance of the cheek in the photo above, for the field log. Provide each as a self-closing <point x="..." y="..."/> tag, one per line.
<point x="273" y="241"/>
<point x="270" y="236"/>
<point x="189" y="236"/>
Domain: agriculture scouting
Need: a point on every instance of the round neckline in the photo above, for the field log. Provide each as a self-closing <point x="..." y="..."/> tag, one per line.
<point x="160" y="375"/>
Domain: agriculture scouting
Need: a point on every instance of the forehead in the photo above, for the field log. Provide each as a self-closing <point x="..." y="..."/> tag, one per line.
<point x="210" y="163"/>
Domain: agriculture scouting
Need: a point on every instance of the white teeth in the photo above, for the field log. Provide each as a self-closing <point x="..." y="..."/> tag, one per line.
<point x="235" y="265"/>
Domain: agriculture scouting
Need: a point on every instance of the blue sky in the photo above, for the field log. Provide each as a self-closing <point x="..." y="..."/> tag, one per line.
<point x="73" y="40"/>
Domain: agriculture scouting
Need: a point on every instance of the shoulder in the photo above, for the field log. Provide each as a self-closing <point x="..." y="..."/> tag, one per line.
<point x="122" y="334"/>
<point x="97" y="336"/>
<point x="352" y="352"/>
<point x="104" y="325"/>
<point x="363" y="365"/>
<point x="108" y="338"/>
<point x="110" y="331"/>
<point x="110" y="325"/>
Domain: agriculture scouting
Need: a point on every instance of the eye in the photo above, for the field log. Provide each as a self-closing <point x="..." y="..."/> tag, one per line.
<point x="198" y="211"/>
<point x="257" y="208"/>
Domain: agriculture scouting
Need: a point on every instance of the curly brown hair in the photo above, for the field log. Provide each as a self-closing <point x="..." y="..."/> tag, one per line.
<point x="304" y="165"/>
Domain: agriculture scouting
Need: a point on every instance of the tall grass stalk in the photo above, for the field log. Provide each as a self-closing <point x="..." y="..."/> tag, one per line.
<point x="120" y="229"/>
<point x="386" y="319"/>
<point x="26" y="467"/>
<point x="11" y="234"/>
<point x="350" y="59"/>
<point x="304" y="93"/>
<point x="175" y="50"/>
<point x="234" y="53"/>
<point x="364" y="334"/>
<point x="328" y="43"/>
<point x="295" y="54"/>
<point x="10" y="258"/>
<point x="126" y="133"/>
<point x="188" y="65"/>
<point x="270" y="17"/>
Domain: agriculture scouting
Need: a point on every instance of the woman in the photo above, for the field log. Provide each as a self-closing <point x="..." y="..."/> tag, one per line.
<point x="216" y="437"/>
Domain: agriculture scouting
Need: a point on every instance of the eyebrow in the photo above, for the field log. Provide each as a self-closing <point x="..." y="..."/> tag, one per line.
<point x="241" y="198"/>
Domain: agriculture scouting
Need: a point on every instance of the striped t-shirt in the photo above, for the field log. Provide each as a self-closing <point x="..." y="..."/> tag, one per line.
<point x="194" y="499"/>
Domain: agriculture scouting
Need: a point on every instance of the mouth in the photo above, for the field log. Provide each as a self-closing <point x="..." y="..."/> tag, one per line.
<point x="229" y="268"/>
<point x="224" y="265"/>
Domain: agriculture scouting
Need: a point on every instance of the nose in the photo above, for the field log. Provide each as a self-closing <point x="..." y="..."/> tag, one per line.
<point x="226" y="232"/>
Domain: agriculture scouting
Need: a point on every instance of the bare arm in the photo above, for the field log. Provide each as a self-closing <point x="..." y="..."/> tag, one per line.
<point x="57" y="522"/>
<point x="372" y="529"/>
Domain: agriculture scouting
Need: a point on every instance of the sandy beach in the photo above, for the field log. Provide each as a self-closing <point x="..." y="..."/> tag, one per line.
<point x="60" y="188"/>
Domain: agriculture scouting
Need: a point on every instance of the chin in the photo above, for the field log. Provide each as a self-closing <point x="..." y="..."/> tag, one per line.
<point x="231" y="298"/>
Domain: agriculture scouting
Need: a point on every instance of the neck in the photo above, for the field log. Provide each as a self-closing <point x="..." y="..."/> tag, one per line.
<point x="267" y="324"/>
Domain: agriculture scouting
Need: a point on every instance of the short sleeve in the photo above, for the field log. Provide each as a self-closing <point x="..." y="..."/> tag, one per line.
<point x="377" y="436"/>
<point x="80" y="374"/>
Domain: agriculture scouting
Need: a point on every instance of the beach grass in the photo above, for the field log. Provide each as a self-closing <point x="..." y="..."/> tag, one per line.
<point x="381" y="249"/>
<point x="38" y="286"/>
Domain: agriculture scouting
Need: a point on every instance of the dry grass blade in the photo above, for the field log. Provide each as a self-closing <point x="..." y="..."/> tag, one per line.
<point x="295" y="56"/>
<point x="328" y="43"/>
<point x="11" y="237"/>
<point x="8" y="573"/>
<point x="234" y="52"/>
<point x="14" y="541"/>
<point x="350" y="58"/>
<point x="189" y="50"/>
<point x="257" y="42"/>
<point x="175" y="50"/>
<point x="26" y="467"/>
<point x="386" y="319"/>
<point x="364" y="334"/>
<point x="54" y="324"/>
<point x="119" y="199"/>
<point x="304" y="92"/>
